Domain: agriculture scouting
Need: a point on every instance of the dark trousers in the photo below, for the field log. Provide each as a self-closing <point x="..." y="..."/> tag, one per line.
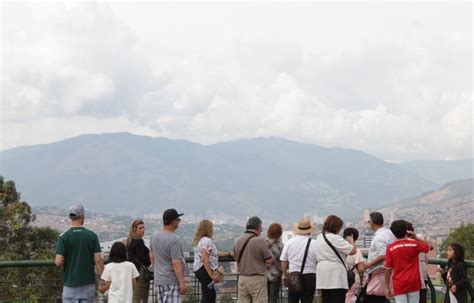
<point x="273" y="288"/>
<point x="337" y="295"/>
<point x="309" y="287"/>
<point x="375" y="299"/>
<point x="208" y="294"/>
<point x="423" y="293"/>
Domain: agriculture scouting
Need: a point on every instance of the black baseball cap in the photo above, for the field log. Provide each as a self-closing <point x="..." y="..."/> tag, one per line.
<point x="170" y="215"/>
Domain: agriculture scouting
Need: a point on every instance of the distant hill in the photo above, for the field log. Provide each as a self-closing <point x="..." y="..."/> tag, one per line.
<point x="441" y="172"/>
<point x="446" y="207"/>
<point x="124" y="173"/>
<point x="458" y="189"/>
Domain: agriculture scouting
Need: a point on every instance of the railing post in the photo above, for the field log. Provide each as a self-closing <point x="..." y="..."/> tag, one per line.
<point x="432" y="290"/>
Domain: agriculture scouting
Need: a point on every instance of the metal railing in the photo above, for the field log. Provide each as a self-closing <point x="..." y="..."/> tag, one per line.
<point x="40" y="281"/>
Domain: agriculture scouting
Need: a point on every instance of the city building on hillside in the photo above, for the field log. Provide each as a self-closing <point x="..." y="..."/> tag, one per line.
<point x="368" y="238"/>
<point x="153" y="216"/>
<point x="105" y="246"/>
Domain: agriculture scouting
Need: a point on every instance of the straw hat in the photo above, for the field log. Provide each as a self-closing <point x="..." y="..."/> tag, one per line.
<point x="304" y="227"/>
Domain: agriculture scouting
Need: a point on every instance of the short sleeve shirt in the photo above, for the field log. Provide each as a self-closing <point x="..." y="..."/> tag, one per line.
<point x="330" y="272"/>
<point x="78" y="246"/>
<point x="208" y="244"/>
<point x="293" y="252"/>
<point x="166" y="247"/>
<point x="120" y="275"/>
<point x="383" y="237"/>
<point x="254" y="256"/>
<point x="402" y="258"/>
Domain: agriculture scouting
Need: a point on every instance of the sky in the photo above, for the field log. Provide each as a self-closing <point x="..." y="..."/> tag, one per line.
<point x="393" y="79"/>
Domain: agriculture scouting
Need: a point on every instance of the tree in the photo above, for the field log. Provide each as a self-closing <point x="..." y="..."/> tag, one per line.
<point x="21" y="241"/>
<point x="463" y="235"/>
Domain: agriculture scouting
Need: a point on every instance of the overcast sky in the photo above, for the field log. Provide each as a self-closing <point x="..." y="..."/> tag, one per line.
<point x="391" y="79"/>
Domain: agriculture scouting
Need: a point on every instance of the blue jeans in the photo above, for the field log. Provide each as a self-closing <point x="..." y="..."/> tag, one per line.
<point x="79" y="294"/>
<point x="411" y="297"/>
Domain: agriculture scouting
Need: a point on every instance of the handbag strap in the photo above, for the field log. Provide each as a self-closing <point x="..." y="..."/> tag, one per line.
<point x="244" y="246"/>
<point x="305" y="255"/>
<point x="337" y="254"/>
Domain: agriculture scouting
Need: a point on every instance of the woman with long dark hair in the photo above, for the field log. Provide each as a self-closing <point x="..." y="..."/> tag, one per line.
<point x="139" y="255"/>
<point x="455" y="276"/>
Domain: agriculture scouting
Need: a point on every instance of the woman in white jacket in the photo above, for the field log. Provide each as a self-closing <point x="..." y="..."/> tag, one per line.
<point x="331" y="273"/>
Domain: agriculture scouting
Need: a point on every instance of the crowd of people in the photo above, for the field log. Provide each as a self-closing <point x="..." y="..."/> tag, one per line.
<point x="328" y="262"/>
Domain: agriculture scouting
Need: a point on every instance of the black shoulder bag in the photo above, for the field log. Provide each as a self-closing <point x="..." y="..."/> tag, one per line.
<point x="350" y="273"/>
<point x="295" y="279"/>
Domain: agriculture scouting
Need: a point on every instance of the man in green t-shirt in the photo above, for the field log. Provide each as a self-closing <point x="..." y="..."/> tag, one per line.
<point x="77" y="251"/>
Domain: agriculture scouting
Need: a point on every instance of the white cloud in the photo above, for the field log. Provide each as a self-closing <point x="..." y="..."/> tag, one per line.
<point x="390" y="79"/>
<point x="61" y="61"/>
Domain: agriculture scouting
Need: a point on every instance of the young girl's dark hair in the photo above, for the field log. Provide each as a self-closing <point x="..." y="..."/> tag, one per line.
<point x="458" y="253"/>
<point x="118" y="253"/>
<point x="351" y="231"/>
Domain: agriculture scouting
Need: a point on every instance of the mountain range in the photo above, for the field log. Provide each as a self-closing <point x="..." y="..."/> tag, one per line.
<point x="124" y="173"/>
<point x="439" y="210"/>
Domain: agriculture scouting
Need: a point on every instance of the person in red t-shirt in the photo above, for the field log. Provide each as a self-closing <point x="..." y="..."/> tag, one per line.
<point x="402" y="259"/>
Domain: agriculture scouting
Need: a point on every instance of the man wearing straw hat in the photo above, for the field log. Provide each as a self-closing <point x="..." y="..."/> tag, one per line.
<point x="292" y="257"/>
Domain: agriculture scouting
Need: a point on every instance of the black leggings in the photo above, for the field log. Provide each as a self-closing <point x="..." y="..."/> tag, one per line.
<point x="208" y="294"/>
<point x="375" y="299"/>
<point x="337" y="295"/>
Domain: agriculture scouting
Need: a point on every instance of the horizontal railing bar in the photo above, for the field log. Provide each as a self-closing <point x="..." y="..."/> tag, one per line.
<point x="45" y="263"/>
<point x="27" y="263"/>
<point x="444" y="262"/>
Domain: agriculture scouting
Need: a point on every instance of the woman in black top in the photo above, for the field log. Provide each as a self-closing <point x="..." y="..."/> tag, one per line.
<point x="139" y="254"/>
<point x="456" y="276"/>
